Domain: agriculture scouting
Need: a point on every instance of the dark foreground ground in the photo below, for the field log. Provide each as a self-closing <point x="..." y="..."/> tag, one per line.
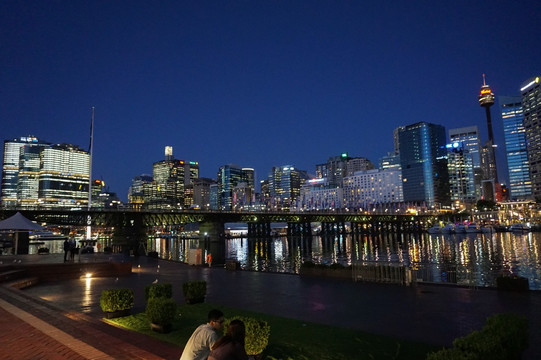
<point x="425" y="313"/>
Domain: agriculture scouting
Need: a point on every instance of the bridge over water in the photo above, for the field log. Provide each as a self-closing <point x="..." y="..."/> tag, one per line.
<point x="134" y="226"/>
<point x="257" y="221"/>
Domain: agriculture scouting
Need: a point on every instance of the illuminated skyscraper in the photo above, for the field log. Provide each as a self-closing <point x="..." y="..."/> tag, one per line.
<point x="423" y="158"/>
<point x="531" y="107"/>
<point x="285" y="184"/>
<point x="461" y="173"/>
<point x="36" y="173"/>
<point x="470" y="140"/>
<point x="63" y="178"/>
<point x="172" y="176"/>
<point x="13" y="152"/>
<point x="229" y="177"/>
<point x="520" y="184"/>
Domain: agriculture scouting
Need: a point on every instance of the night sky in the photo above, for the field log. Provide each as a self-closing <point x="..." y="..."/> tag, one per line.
<point x="254" y="83"/>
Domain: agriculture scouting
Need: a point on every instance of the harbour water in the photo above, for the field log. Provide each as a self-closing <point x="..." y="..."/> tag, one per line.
<point x="473" y="259"/>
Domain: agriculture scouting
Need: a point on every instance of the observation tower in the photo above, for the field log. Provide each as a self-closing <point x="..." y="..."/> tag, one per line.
<point x="491" y="188"/>
<point x="486" y="100"/>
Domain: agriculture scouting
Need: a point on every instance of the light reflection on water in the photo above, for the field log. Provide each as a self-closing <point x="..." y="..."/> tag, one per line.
<point x="473" y="259"/>
<point x="477" y="258"/>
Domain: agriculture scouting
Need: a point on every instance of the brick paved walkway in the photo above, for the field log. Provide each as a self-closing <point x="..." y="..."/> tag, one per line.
<point x="35" y="329"/>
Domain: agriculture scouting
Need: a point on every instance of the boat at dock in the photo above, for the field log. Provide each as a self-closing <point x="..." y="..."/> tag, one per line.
<point x="473" y="228"/>
<point x="520" y="227"/>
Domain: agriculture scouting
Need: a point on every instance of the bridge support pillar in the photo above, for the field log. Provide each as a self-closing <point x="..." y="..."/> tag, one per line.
<point x="212" y="240"/>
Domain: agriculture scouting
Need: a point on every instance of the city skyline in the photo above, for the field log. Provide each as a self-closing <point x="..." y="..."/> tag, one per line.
<point x="255" y="84"/>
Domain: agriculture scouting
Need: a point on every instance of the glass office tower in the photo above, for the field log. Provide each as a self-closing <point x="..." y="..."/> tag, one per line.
<point x="63" y="179"/>
<point x="531" y="106"/>
<point x="229" y="176"/>
<point x="20" y="171"/>
<point x="423" y="158"/>
<point x="461" y="173"/>
<point x="520" y="185"/>
<point x="470" y="139"/>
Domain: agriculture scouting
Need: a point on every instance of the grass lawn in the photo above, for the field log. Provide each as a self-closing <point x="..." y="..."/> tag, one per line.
<point x="290" y="339"/>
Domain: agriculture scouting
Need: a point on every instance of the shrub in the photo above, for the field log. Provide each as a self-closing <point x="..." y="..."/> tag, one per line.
<point x="194" y="291"/>
<point x="158" y="290"/>
<point x="152" y="254"/>
<point x="161" y="311"/>
<point x="116" y="300"/>
<point x="308" y="264"/>
<point x="450" y="354"/>
<point x="257" y="334"/>
<point x="107" y="250"/>
<point x="503" y="337"/>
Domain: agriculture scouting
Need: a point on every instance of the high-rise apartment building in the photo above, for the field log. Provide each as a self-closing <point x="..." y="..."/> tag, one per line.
<point x="520" y="185"/>
<point x="338" y="167"/>
<point x="531" y="107"/>
<point x="370" y="187"/>
<point x="201" y="192"/>
<point x="317" y="194"/>
<point x="423" y="158"/>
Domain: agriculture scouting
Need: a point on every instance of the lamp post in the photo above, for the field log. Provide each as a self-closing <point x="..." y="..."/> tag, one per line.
<point x="89" y="219"/>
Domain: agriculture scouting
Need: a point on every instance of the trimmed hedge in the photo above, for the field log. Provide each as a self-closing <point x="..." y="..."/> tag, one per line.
<point x="194" y="291"/>
<point x="161" y="310"/>
<point x="257" y="334"/>
<point x="164" y="290"/>
<point x="504" y="337"/>
<point x="116" y="300"/>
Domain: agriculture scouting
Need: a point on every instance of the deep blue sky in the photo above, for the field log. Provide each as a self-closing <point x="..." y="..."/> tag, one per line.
<point x="255" y="83"/>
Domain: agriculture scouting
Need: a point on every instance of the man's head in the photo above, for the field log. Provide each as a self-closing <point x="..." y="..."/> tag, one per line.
<point x="216" y="319"/>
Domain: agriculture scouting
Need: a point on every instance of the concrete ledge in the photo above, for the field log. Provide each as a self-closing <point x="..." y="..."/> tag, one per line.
<point x="24" y="282"/>
<point x="64" y="271"/>
<point x="345" y="273"/>
<point x="11" y="274"/>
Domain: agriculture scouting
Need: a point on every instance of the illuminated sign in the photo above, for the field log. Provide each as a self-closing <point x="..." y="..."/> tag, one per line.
<point x="344" y="155"/>
<point x="485" y="92"/>
<point x="530" y="84"/>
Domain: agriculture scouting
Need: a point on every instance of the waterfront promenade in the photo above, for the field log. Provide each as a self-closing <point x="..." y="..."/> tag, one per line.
<point x="62" y="319"/>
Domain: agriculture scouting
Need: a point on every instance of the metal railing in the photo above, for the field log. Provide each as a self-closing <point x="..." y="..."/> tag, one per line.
<point x="396" y="273"/>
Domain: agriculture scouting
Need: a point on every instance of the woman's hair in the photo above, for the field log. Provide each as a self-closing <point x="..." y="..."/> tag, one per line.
<point x="236" y="332"/>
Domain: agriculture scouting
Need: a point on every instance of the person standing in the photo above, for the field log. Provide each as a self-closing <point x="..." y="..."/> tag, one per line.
<point x="231" y="345"/>
<point x="66" y="249"/>
<point x="204" y="337"/>
<point x="209" y="259"/>
<point x="72" y="249"/>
